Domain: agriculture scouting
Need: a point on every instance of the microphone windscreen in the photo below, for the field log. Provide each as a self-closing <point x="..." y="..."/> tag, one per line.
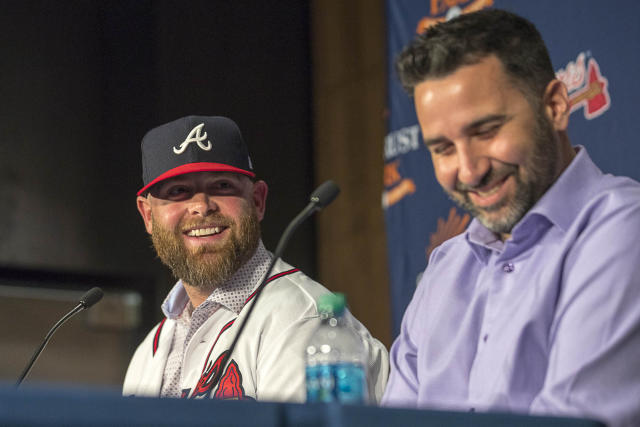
<point x="92" y="296"/>
<point x="325" y="194"/>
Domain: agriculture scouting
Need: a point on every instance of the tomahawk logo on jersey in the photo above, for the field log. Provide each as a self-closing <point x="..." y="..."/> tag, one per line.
<point x="229" y="386"/>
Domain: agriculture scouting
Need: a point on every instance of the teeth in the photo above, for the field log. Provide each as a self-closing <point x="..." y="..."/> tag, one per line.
<point x="199" y="232"/>
<point x="490" y="192"/>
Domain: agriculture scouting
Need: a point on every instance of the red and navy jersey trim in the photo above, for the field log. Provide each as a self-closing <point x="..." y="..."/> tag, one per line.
<point x="249" y="298"/>
<point x="231" y="382"/>
<point x="224" y="328"/>
<point x="156" y="338"/>
<point x="271" y="279"/>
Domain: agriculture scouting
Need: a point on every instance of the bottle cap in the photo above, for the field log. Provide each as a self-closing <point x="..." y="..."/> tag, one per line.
<point x="332" y="303"/>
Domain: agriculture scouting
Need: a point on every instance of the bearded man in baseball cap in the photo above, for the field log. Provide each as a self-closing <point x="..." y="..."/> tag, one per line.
<point x="202" y="205"/>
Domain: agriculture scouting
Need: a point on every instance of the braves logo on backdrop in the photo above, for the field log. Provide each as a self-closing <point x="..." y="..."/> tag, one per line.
<point x="194" y="136"/>
<point x="443" y="10"/>
<point x="588" y="88"/>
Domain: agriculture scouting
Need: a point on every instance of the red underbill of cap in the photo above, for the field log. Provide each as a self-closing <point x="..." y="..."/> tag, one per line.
<point x="195" y="167"/>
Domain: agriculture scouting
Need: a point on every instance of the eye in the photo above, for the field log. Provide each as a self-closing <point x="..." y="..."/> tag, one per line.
<point x="487" y="132"/>
<point x="442" y="148"/>
<point x="223" y="187"/>
<point x="177" y="192"/>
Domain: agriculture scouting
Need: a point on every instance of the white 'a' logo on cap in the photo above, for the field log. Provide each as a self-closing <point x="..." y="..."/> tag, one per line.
<point x="194" y="136"/>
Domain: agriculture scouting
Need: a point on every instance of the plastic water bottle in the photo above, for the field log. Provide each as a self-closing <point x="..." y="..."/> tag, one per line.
<point x="335" y="357"/>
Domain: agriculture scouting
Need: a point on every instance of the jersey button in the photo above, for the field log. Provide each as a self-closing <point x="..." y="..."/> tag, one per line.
<point x="508" y="267"/>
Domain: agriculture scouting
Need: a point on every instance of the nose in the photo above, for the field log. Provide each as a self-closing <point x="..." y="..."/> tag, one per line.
<point x="202" y="204"/>
<point x="472" y="166"/>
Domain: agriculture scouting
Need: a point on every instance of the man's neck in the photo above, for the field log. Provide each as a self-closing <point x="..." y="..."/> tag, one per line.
<point x="504" y="236"/>
<point x="196" y="295"/>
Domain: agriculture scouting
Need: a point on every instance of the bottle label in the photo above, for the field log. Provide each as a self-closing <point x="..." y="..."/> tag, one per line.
<point x="340" y="382"/>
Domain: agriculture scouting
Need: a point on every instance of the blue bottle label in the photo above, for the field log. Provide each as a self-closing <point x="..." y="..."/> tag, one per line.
<point x="341" y="382"/>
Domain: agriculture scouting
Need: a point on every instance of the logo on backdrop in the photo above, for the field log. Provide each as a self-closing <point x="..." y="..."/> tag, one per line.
<point x="194" y="136"/>
<point x="446" y="229"/>
<point x="398" y="187"/>
<point x="588" y="88"/>
<point x="397" y="143"/>
<point x="401" y="141"/>
<point x="443" y="10"/>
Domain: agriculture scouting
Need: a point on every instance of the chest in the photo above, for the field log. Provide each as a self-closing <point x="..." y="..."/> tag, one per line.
<point x="486" y="326"/>
<point x="206" y="358"/>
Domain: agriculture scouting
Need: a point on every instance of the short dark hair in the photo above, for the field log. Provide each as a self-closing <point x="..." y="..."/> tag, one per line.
<point x="467" y="39"/>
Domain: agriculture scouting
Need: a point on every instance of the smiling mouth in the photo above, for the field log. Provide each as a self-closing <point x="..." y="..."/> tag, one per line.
<point x="205" y="231"/>
<point x="488" y="196"/>
<point x="494" y="189"/>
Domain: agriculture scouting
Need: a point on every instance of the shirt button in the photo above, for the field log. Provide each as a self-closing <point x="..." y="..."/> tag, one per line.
<point x="485" y="337"/>
<point x="508" y="267"/>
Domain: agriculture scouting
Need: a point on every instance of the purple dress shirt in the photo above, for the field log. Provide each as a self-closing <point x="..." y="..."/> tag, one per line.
<point x="547" y="322"/>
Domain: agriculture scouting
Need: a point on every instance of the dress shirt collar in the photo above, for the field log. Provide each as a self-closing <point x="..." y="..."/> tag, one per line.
<point x="571" y="191"/>
<point x="559" y="206"/>
<point x="232" y="294"/>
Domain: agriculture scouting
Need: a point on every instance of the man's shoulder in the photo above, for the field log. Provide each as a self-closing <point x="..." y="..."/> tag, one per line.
<point x="620" y="189"/>
<point x="597" y="188"/>
<point x="160" y="328"/>
<point x="158" y="337"/>
<point x="291" y="291"/>
<point x="612" y="195"/>
<point x="456" y="247"/>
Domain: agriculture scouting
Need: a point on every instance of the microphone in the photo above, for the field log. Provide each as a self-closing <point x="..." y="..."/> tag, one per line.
<point x="320" y="198"/>
<point x="91" y="297"/>
<point x="325" y="194"/>
<point x="87" y="300"/>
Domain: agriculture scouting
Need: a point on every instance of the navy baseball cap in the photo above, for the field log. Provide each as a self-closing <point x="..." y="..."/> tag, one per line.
<point x="193" y="144"/>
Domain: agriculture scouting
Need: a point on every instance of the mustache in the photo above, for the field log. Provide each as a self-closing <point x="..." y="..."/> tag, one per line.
<point x="492" y="175"/>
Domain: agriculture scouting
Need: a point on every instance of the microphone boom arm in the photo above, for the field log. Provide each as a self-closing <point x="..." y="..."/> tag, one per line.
<point x="309" y="210"/>
<point x="87" y="300"/>
<point x="35" y="356"/>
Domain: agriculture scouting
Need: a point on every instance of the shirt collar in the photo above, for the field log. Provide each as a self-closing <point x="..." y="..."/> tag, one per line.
<point x="175" y="301"/>
<point x="568" y="195"/>
<point x="482" y="241"/>
<point x="232" y="294"/>
<point x="559" y="206"/>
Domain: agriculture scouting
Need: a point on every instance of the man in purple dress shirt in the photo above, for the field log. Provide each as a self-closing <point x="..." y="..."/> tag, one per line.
<point x="536" y="306"/>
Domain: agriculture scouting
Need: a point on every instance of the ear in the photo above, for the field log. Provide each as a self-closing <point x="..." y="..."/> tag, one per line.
<point x="145" y="212"/>
<point x="557" y="105"/>
<point x="260" y="190"/>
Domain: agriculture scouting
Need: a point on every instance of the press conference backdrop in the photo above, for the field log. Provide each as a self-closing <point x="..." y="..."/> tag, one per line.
<point x="593" y="47"/>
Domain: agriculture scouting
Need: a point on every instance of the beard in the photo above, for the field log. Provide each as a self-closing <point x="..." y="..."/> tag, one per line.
<point x="540" y="173"/>
<point x="208" y="266"/>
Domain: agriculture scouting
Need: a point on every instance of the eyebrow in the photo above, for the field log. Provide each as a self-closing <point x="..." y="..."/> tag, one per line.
<point x="434" y="141"/>
<point x="484" y="120"/>
<point x="182" y="179"/>
<point x="470" y="127"/>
